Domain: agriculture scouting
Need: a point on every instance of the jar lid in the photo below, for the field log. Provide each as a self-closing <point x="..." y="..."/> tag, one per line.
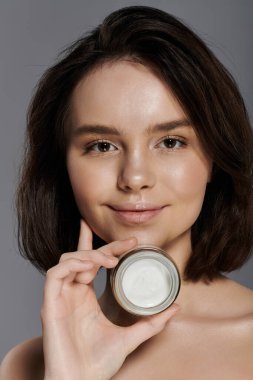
<point x="145" y="281"/>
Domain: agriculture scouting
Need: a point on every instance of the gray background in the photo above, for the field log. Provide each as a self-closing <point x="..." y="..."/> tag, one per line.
<point x="32" y="33"/>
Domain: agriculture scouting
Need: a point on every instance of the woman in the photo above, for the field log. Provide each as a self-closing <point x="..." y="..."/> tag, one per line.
<point x="137" y="115"/>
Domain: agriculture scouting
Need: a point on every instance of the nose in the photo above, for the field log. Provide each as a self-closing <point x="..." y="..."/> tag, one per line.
<point x="136" y="173"/>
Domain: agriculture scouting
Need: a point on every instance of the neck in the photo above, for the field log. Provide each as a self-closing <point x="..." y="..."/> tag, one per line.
<point x="194" y="299"/>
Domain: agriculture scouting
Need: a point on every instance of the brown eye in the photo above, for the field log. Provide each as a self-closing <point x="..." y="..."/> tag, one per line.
<point x="100" y="147"/>
<point x="170" y="143"/>
<point x="103" y="146"/>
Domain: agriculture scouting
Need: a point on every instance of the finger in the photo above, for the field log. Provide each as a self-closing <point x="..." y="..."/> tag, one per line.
<point x="119" y="247"/>
<point x="55" y="276"/>
<point x="88" y="276"/>
<point x="85" y="237"/>
<point x="147" y="327"/>
<point x="95" y="256"/>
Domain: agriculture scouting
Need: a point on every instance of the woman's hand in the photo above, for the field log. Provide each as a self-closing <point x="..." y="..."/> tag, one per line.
<point x="79" y="342"/>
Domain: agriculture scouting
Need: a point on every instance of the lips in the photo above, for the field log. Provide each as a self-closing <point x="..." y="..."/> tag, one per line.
<point x="136" y="213"/>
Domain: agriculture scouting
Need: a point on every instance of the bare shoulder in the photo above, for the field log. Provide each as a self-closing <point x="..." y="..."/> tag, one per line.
<point x="243" y="332"/>
<point x="238" y="302"/>
<point x="229" y="301"/>
<point x="242" y="296"/>
<point x="24" y="361"/>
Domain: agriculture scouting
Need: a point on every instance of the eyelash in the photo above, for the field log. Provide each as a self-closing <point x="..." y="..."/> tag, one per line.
<point x="89" y="147"/>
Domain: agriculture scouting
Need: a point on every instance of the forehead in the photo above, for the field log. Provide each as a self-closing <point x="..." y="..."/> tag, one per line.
<point x="122" y="93"/>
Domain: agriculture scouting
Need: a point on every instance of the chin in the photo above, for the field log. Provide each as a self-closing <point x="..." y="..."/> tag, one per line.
<point x="146" y="240"/>
<point x="143" y="239"/>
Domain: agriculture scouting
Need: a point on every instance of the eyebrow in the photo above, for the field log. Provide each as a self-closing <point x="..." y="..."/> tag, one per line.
<point x="110" y="130"/>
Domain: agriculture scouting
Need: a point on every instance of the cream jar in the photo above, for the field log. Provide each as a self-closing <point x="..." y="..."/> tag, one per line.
<point x="145" y="281"/>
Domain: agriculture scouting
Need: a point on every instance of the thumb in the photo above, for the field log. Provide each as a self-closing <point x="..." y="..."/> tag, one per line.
<point x="147" y="327"/>
<point x="85" y="237"/>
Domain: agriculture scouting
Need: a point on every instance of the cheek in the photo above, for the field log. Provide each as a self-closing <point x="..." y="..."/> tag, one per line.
<point x="187" y="179"/>
<point x="186" y="184"/>
<point x="89" y="183"/>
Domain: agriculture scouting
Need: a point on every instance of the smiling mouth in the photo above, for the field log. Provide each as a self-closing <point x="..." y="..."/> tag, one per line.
<point x="136" y="216"/>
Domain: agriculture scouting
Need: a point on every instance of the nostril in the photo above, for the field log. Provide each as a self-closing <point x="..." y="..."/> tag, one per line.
<point x="129" y="180"/>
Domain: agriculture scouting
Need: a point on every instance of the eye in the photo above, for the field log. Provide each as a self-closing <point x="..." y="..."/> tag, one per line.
<point x="172" y="143"/>
<point x="100" y="147"/>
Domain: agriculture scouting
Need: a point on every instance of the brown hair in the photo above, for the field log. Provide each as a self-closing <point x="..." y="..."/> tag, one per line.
<point x="48" y="218"/>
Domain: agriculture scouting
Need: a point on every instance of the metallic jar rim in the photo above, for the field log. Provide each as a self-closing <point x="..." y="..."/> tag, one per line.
<point x="138" y="253"/>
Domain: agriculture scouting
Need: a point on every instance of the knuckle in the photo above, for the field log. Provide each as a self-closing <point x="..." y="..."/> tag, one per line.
<point x="49" y="272"/>
<point x="64" y="256"/>
<point x="70" y="262"/>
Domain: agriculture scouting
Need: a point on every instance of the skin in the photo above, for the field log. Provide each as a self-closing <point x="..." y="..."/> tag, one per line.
<point x="138" y="166"/>
<point x="211" y="336"/>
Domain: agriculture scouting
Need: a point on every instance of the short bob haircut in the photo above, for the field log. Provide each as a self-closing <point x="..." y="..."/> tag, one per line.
<point x="48" y="218"/>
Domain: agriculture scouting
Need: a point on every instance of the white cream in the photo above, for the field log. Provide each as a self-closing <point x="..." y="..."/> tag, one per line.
<point x="146" y="282"/>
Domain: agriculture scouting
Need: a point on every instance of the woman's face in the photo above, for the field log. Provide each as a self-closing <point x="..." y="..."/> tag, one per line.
<point x="135" y="163"/>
